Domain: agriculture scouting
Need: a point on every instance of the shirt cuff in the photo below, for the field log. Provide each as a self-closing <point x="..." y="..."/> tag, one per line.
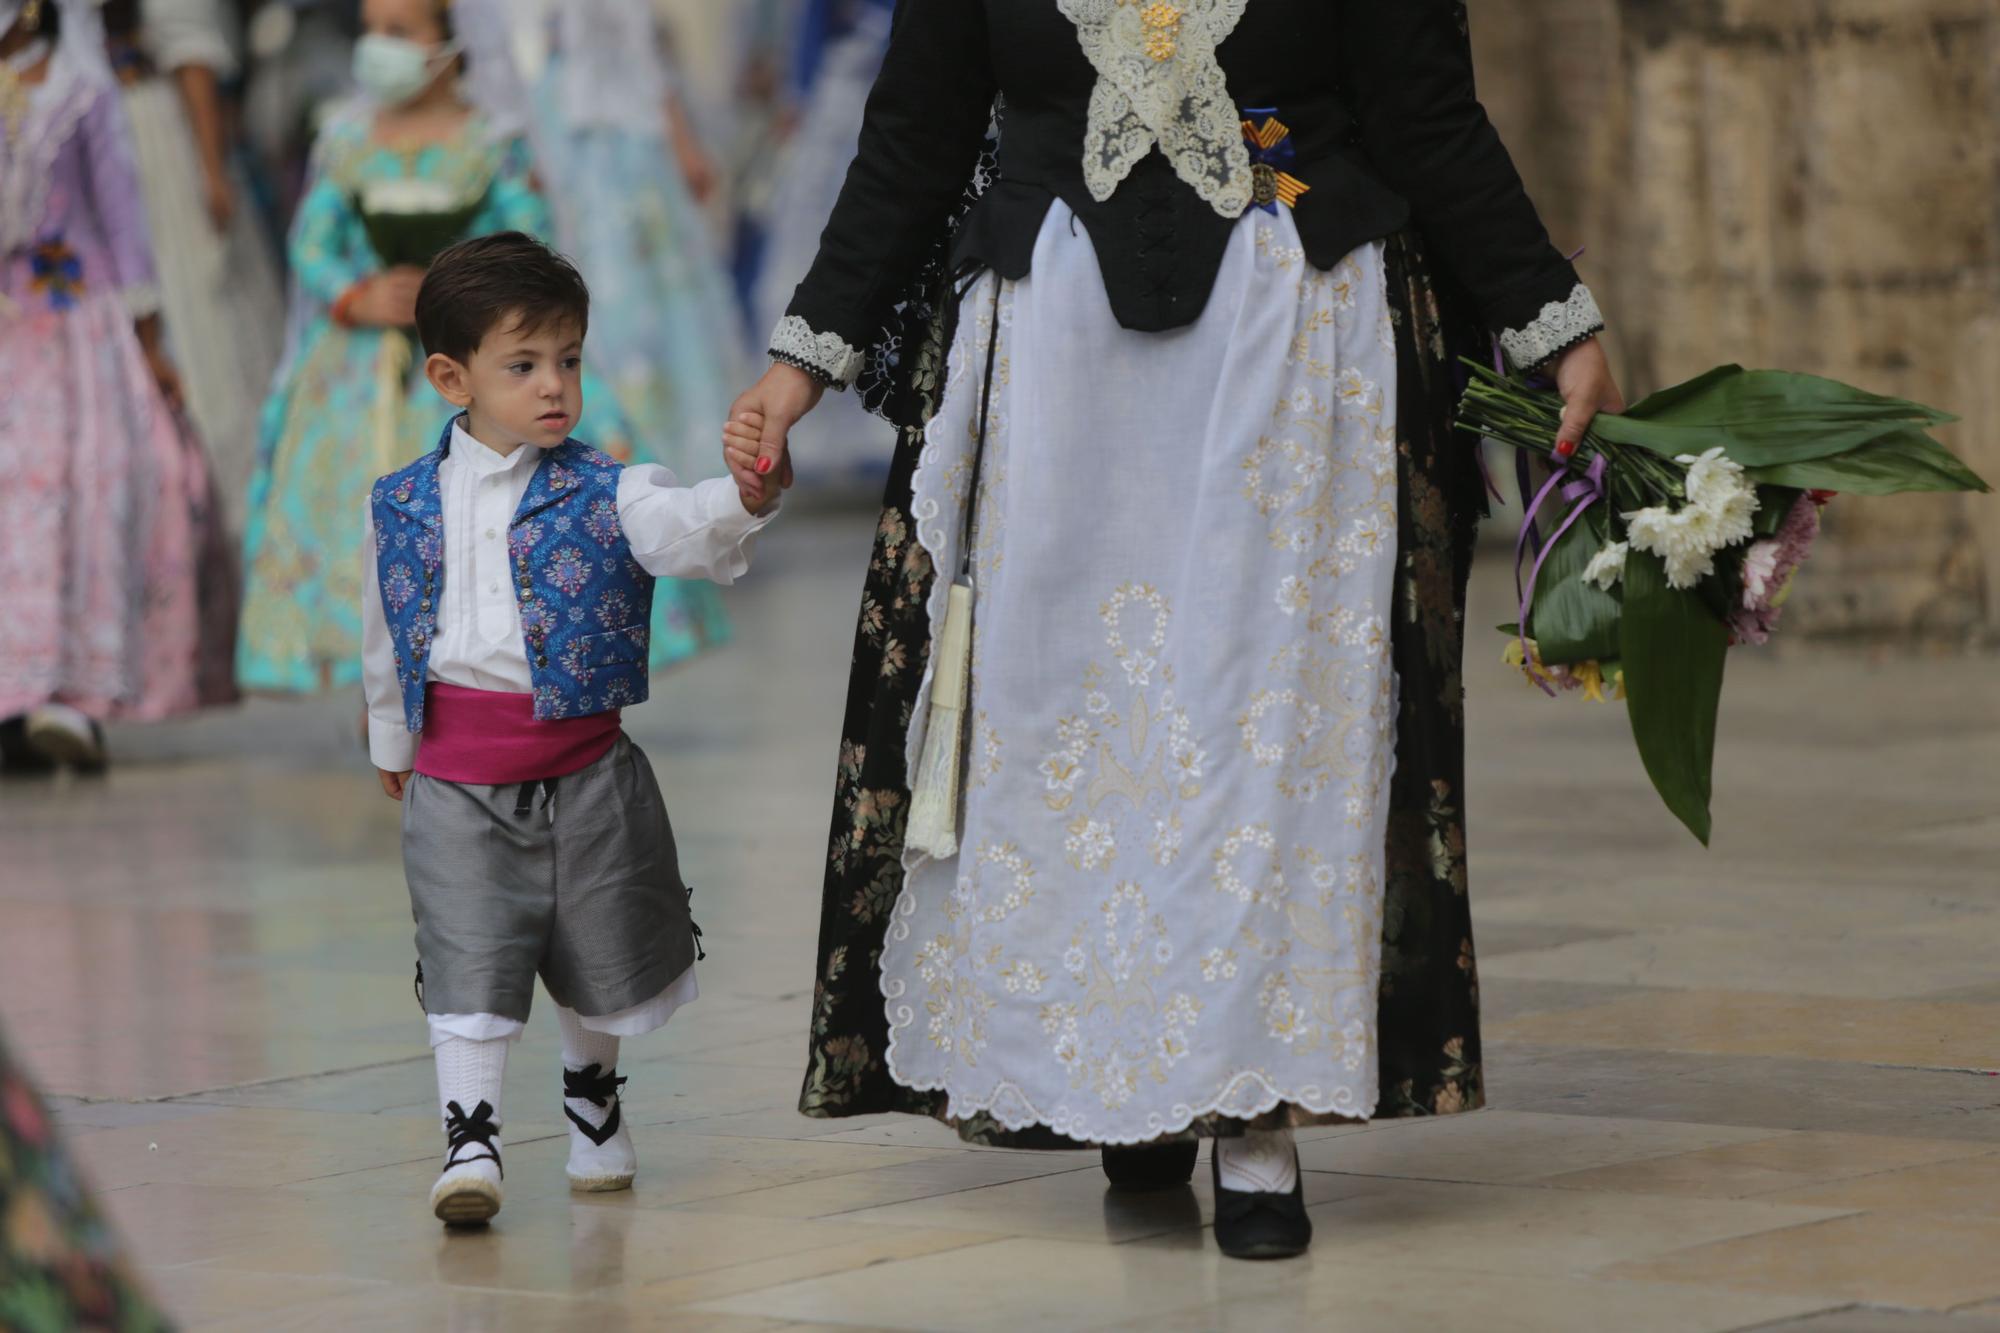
<point x="391" y="746"/>
<point x="722" y="506"/>
<point x="1561" y="325"/>
<point x="827" y="357"/>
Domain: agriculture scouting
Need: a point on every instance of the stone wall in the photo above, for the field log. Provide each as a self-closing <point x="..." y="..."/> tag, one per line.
<point x="1809" y="184"/>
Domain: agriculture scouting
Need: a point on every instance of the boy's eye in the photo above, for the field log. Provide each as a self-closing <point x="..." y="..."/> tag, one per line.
<point x="522" y="367"/>
<point x="572" y="362"/>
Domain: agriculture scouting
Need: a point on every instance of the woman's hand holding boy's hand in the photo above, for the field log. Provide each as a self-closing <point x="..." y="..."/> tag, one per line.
<point x="388" y="299"/>
<point x="742" y="441"/>
<point x="394" y="784"/>
<point x="775" y="403"/>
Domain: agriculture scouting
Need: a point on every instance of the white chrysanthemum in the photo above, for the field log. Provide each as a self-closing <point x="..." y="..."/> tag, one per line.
<point x="1607" y="566"/>
<point x="1733" y="510"/>
<point x="1709" y="474"/>
<point x="1683" y="538"/>
<point x="1716" y="483"/>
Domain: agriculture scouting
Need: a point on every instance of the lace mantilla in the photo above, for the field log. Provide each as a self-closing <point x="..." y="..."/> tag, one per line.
<point x="1158" y="82"/>
<point x="1561" y="326"/>
<point x="827" y="354"/>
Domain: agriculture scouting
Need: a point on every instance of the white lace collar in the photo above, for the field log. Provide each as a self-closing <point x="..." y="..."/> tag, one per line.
<point x="1158" y="82"/>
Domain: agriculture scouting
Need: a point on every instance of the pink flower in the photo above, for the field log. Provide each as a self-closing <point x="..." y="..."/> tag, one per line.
<point x="1768" y="569"/>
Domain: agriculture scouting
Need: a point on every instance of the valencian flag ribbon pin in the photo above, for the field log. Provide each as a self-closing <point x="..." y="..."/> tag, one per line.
<point x="1271" y="151"/>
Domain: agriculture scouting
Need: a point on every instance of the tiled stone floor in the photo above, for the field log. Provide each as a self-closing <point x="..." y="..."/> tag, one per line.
<point x="1748" y="1088"/>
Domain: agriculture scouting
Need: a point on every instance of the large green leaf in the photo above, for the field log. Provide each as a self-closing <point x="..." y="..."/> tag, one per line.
<point x="1673" y="652"/>
<point x="1573" y="621"/>
<point x="1764" y="417"/>
<point x="1899" y="461"/>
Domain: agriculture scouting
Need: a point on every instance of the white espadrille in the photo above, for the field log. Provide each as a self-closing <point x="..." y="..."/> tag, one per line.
<point x="601" y="1156"/>
<point x="468" y="1190"/>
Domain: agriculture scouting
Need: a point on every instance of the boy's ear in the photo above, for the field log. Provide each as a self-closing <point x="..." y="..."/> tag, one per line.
<point x="449" y="378"/>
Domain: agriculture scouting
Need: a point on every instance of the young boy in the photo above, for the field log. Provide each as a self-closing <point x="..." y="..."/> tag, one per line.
<point x="506" y="601"/>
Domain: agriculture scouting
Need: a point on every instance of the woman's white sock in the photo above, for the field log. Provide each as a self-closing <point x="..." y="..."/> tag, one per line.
<point x="1262" y="1161"/>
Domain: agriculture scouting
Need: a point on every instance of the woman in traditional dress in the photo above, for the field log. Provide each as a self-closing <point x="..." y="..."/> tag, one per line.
<point x="219" y="285"/>
<point x="350" y="401"/>
<point x="1188" y="363"/>
<point x="104" y="511"/>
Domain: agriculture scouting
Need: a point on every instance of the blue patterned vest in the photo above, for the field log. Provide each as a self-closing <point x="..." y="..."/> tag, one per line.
<point x="585" y="603"/>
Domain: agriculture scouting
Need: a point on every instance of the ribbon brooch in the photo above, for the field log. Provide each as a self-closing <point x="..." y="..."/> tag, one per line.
<point x="1271" y="151"/>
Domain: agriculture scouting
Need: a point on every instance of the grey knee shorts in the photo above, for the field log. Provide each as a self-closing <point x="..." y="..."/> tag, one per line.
<point x="583" y="889"/>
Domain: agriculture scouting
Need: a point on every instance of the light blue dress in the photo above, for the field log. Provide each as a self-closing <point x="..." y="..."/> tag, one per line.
<point x="352" y="405"/>
<point x="665" y="329"/>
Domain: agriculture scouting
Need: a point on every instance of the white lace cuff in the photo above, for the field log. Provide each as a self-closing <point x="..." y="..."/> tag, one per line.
<point x="825" y="355"/>
<point x="141" y="299"/>
<point x="1560" y="326"/>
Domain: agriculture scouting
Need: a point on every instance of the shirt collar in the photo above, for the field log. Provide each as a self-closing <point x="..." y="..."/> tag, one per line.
<point x="483" y="461"/>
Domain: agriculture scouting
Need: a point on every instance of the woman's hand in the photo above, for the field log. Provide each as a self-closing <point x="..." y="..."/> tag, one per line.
<point x="778" y="400"/>
<point x="147" y="328"/>
<point x="218" y="198"/>
<point x="389" y="299"/>
<point x="1583" y="377"/>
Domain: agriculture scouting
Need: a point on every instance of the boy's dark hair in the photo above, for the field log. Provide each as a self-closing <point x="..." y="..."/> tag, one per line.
<point x="477" y="285"/>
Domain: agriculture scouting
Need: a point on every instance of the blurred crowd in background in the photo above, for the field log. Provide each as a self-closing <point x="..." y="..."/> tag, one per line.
<point x="214" y="218"/>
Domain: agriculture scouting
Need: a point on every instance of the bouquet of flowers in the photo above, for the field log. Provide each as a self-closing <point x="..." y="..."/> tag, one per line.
<point x="1674" y="529"/>
<point x="409" y="220"/>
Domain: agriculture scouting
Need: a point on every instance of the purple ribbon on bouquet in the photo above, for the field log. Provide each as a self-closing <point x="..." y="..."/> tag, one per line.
<point x="1580" y="493"/>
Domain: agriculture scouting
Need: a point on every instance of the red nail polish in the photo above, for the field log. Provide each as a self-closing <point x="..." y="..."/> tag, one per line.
<point x="763" y="467"/>
<point x="1565" y="448"/>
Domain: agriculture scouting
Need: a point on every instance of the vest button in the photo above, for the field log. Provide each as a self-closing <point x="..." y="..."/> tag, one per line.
<point x="424" y="605"/>
<point x="541" y="660"/>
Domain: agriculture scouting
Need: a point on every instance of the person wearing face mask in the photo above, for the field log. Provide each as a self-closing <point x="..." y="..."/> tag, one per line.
<point x="104" y="507"/>
<point x="413" y="163"/>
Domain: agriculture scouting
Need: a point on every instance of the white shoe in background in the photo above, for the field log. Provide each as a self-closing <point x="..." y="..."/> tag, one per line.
<point x="66" y="735"/>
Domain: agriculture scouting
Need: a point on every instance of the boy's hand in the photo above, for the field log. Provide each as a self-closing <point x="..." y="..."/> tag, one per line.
<point x="393" y="783"/>
<point x="742" y="437"/>
<point x="778" y="400"/>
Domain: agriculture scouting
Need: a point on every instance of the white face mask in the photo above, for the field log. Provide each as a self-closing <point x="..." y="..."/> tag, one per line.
<point x="393" y="70"/>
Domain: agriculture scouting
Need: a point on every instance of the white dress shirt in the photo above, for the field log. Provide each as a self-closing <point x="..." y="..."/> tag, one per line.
<point x="684" y="532"/>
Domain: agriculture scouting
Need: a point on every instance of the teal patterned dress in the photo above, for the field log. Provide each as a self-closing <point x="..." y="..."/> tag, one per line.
<point x="352" y="405"/>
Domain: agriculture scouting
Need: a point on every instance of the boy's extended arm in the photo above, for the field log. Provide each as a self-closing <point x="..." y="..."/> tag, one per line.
<point x="686" y="532"/>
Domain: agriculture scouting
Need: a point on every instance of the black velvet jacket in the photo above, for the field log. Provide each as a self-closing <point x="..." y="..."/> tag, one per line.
<point x="1386" y="127"/>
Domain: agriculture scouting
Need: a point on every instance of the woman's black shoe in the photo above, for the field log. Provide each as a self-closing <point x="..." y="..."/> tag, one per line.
<point x="1261" y="1226"/>
<point x="1150" y="1166"/>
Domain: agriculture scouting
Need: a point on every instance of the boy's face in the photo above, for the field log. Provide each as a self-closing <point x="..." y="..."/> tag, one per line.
<point x="518" y="385"/>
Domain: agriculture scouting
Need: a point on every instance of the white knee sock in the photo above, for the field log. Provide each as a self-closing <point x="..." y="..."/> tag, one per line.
<point x="1263" y="1161"/>
<point x="470" y="1072"/>
<point x="582" y="1048"/>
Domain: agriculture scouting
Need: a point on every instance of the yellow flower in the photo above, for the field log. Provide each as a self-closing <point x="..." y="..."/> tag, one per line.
<point x="32" y="1234"/>
<point x="1591" y="676"/>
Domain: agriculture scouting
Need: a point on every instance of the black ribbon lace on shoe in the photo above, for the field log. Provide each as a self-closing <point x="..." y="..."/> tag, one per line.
<point x="599" y="1087"/>
<point x="462" y="1131"/>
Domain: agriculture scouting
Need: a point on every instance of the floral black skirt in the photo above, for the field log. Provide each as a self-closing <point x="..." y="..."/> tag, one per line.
<point x="1428" y="1013"/>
